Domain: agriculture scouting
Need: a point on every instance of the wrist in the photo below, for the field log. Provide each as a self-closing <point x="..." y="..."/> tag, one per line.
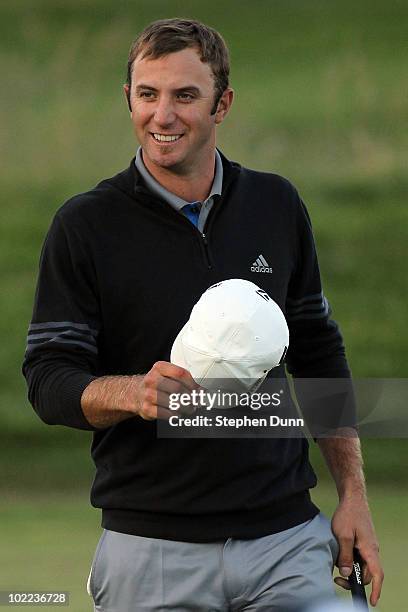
<point x="108" y="400"/>
<point x="352" y="489"/>
<point x="129" y="394"/>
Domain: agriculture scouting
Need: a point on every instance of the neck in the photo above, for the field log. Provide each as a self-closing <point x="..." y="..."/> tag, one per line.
<point x="192" y="186"/>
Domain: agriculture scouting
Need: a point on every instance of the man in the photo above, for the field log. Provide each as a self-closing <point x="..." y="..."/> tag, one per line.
<point x="189" y="524"/>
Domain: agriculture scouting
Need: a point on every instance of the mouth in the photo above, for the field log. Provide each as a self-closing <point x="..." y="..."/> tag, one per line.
<point x="165" y="139"/>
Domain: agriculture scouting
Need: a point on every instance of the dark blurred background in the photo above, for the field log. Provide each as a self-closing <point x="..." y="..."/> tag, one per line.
<point x="321" y="98"/>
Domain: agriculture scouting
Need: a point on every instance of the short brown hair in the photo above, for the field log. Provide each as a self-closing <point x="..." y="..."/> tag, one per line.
<point x="170" y="35"/>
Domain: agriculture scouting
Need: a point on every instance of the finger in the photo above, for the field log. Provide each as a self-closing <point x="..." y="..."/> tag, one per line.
<point x="163" y="400"/>
<point x="376" y="585"/>
<point x="177" y="373"/>
<point x="180" y="398"/>
<point x="179" y="403"/>
<point x="177" y="407"/>
<point x="367" y="575"/>
<point x="342" y="582"/>
<point x="154" y="397"/>
<point x="172" y="386"/>
<point x="155" y="402"/>
<point x="162" y="404"/>
<point x="345" y="558"/>
<point x="376" y="589"/>
<point x="373" y="571"/>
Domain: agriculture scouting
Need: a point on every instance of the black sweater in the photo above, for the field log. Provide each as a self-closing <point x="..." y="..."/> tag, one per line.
<point x="119" y="273"/>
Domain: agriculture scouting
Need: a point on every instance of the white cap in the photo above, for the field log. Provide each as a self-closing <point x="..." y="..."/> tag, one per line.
<point x="235" y="332"/>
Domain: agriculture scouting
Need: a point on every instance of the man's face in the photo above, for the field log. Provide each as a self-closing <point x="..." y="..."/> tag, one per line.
<point x="171" y="99"/>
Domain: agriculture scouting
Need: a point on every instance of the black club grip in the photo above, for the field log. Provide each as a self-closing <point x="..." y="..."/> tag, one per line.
<point x="357" y="582"/>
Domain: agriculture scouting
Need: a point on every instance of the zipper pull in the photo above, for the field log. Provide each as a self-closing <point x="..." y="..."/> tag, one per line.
<point x="207" y="257"/>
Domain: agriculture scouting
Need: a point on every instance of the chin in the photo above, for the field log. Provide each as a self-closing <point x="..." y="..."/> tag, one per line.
<point x="167" y="161"/>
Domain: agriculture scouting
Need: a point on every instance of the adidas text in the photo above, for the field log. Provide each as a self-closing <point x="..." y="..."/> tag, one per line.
<point x="261" y="269"/>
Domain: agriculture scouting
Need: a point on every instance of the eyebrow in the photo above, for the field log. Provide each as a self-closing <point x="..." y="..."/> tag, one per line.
<point x="191" y="88"/>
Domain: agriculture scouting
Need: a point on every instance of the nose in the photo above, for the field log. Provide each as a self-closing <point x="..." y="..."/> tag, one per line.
<point x="164" y="114"/>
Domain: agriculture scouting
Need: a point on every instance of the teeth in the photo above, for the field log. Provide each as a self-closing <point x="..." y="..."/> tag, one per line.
<point x="164" y="138"/>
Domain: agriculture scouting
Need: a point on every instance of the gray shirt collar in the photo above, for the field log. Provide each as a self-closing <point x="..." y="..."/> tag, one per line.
<point x="169" y="197"/>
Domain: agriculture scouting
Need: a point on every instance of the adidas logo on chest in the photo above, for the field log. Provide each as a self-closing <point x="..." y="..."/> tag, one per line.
<point x="261" y="265"/>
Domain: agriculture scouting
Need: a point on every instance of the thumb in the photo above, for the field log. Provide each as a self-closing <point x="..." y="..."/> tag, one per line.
<point x="345" y="558"/>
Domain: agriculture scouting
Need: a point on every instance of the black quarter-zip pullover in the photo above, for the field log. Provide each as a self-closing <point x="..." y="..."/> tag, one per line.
<point x="119" y="273"/>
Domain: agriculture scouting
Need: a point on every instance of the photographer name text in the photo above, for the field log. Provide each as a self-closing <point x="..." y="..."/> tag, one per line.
<point x="234" y="422"/>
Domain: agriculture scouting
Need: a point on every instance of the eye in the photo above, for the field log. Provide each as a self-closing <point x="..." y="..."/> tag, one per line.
<point x="147" y="95"/>
<point x="185" y="97"/>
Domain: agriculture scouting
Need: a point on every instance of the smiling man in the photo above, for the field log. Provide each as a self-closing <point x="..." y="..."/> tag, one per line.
<point x="189" y="524"/>
<point x="176" y="102"/>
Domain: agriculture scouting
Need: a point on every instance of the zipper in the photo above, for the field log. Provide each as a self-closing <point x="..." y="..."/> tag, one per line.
<point x="170" y="210"/>
<point x="213" y="213"/>
<point x="206" y="253"/>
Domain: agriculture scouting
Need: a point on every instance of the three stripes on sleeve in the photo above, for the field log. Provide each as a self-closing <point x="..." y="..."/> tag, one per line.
<point x="62" y="332"/>
<point x="313" y="306"/>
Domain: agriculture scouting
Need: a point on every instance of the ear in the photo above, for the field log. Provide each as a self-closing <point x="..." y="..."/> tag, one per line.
<point x="126" y="90"/>
<point x="224" y="105"/>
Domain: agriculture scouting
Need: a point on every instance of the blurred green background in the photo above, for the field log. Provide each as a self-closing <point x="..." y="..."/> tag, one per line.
<point x="321" y="97"/>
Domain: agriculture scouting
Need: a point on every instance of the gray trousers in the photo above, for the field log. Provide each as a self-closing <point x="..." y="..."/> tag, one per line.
<point x="281" y="572"/>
